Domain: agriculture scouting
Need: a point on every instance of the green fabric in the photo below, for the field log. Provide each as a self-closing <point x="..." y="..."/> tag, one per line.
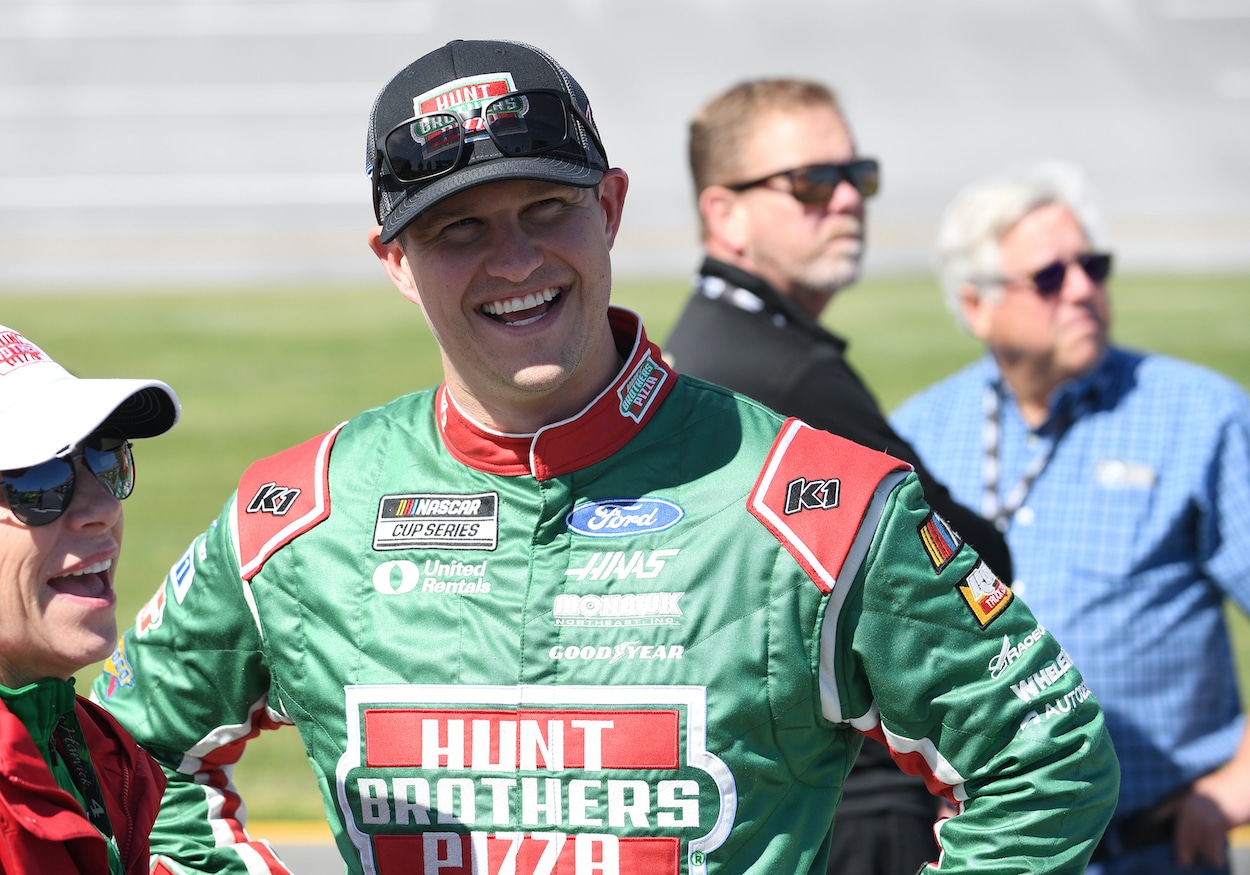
<point x="382" y="657"/>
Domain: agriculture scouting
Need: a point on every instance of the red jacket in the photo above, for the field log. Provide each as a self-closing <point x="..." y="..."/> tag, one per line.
<point x="43" y="829"/>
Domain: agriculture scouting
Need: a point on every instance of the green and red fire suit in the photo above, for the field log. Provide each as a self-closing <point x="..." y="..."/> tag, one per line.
<point x="646" y="640"/>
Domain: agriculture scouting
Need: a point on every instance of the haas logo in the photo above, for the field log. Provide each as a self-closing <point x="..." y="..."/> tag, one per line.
<point x="274" y="499"/>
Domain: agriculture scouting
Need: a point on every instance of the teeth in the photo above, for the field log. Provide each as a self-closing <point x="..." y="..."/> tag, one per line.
<point x="511" y="305"/>
<point x="91" y="569"/>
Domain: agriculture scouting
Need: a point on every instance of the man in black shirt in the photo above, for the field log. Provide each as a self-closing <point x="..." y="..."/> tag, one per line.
<point x="781" y="194"/>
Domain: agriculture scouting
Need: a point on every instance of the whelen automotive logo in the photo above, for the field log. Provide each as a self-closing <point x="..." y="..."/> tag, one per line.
<point x="623" y="517"/>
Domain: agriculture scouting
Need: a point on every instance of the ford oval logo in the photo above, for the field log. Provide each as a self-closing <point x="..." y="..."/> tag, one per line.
<point x="621" y="517"/>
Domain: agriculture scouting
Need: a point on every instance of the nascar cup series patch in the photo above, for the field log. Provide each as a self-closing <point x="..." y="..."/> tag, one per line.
<point x="427" y="520"/>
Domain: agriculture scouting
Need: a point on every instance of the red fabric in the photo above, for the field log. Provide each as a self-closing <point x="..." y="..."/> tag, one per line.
<point x="43" y="830"/>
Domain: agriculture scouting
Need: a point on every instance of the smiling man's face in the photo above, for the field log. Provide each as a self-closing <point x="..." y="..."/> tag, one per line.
<point x="514" y="279"/>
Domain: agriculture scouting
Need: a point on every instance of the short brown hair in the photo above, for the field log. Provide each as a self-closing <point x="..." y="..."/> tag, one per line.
<point x="721" y="128"/>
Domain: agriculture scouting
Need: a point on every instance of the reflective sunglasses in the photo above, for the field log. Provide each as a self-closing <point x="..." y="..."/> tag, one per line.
<point x="39" y="494"/>
<point x="532" y="122"/>
<point x="816" y="184"/>
<point x="1049" y="280"/>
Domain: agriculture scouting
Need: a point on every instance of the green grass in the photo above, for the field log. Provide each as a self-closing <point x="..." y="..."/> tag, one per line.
<point x="261" y="369"/>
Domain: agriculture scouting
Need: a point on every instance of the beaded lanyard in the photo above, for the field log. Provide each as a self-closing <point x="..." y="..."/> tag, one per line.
<point x="998" y="512"/>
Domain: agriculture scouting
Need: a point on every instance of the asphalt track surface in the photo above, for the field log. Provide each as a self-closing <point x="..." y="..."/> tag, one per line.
<point x="203" y="141"/>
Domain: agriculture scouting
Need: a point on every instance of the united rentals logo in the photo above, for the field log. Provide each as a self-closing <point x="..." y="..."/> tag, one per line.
<point x="431" y="520"/>
<point x="639" y="388"/>
<point x="443" y="779"/>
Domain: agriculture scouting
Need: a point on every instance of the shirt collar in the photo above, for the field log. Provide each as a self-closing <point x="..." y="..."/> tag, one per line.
<point x="719" y="280"/>
<point x="1073" y="398"/>
<point x="603" y="427"/>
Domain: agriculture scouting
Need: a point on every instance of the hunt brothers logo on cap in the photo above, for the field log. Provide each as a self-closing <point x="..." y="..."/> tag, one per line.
<point x="16" y="351"/>
<point x="462" y="780"/>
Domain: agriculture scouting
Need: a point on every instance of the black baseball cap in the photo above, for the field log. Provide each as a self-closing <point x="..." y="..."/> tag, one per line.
<point x="461" y="76"/>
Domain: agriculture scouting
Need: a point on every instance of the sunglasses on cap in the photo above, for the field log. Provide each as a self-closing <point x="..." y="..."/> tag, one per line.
<point x="1049" y="280"/>
<point x="38" y="495"/>
<point x="815" y="184"/>
<point x="520" y="123"/>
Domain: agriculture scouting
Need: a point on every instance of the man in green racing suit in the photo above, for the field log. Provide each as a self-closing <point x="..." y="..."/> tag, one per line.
<point x="571" y="612"/>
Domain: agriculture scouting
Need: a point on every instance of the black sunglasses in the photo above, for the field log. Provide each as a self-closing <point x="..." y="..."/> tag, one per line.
<point x="520" y="123"/>
<point x="1049" y="280"/>
<point x="816" y="184"/>
<point x="39" y="494"/>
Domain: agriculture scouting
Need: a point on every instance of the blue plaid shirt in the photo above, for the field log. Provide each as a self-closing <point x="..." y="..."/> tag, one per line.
<point x="1126" y="544"/>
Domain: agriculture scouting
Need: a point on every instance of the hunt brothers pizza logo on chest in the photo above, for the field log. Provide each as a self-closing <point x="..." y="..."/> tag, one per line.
<point x="531" y="780"/>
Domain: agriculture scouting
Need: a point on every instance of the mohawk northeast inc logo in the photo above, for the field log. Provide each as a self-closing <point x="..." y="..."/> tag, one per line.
<point x="638" y="390"/>
<point x="427" y="520"/>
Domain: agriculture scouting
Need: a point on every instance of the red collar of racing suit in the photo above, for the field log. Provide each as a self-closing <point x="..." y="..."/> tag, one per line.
<point x="603" y="427"/>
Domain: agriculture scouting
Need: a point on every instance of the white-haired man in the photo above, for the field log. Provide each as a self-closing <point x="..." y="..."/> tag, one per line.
<point x="1121" y="480"/>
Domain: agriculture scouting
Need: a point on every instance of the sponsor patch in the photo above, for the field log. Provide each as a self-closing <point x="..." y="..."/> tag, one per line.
<point x="183" y="574"/>
<point x="618" y="609"/>
<point x="1011" y="652"/>
<point x="618" y="565"/>
<point x="152" y="613"/>
<point x="940" y="541"/>
<point x="430" y="520"/>
<point x="985" y="595"/>
<point x="803" y="494"/>
<point x="638" y="390"/>
<point x="272" y="498"/>
<point x="401" y="576"/>
<point x="119" y="671"/>
<point x="623" y="517"/>
<point x="532" y="779"/>
<point x="627" y="650"/>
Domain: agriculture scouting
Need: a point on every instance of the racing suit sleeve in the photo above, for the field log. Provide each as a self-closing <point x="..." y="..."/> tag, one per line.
<point x="938" y="659"/>
<point x="189" y="681"/>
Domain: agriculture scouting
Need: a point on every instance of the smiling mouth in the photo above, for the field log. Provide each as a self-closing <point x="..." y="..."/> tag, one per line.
<point x="524" y="309"/>
<point x="89" y="582"/>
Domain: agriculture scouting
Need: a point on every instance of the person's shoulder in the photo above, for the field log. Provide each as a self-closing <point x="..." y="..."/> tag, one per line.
<point x="702" y="398"/>
<point x="1180" y="382"/>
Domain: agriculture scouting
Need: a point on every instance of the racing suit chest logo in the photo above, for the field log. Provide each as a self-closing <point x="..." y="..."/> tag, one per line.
<point x="623" y="517"/>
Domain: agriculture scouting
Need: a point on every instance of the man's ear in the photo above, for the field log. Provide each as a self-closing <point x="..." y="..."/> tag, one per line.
<point x="724" y="220"/>
<point x="612" y="189"/>
<point x="395" y="263"/>
<point x="976" y="309"/>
